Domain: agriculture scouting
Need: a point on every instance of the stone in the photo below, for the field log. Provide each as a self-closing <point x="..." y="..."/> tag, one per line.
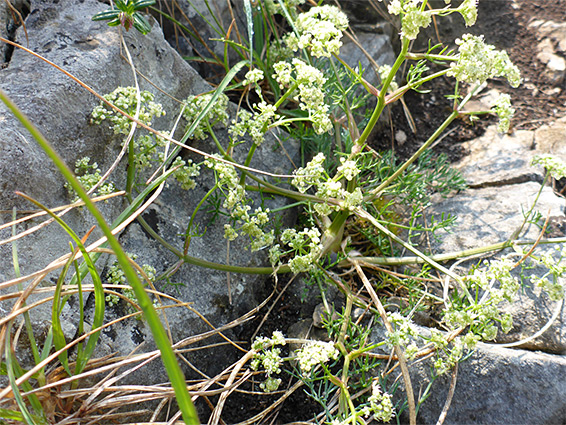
<point x="551" y="48"/>
<point x="502" y="189"/>
<point x="494" y="159"/>
<point x="209" y="20"/>
<point x="370" y="50"/>
<point x="496" y="385"/>
<point x="61" y="109"/>
<point x="555" y="65"/>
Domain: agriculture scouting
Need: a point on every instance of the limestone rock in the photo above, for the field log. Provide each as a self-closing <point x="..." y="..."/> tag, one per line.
<point x="497" y="385"/>
<point x="552" y="34"/>
<point x="496" y="159"/>
<point x="64" y="34"/>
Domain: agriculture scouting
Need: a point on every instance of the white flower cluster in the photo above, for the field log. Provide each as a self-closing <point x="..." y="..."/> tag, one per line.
<point x="125" y="98"/>
<point x="194" y="105"/>
<point x="482" y="315"/>
<point x="256" y="124"/>
<point x="314" y="353"/>
<point x="554" y="165"/>
<point x="274" y="7"/>
<point x="253" y="76"/>
<point x="478" y="61"/>
<point x="380" y="404"/>
<point x="116" y="276"/>
<point x="269" y="357"/>
<point x="349" y="168"/>
<point x="88" y="176"/>
<point x="469" y="11"/>
<point x="446" y="361"/>
<point x="403" y="330"/>
<point x="235" y="197"/>
<point x="306" y="246"/>
<point x="504" y="111"/>
<point x="313" y="174"/>
<point x="251" y="226"/>
<point x="320" y="30"/>
<point x="186" y="172"/>
<point x="310" y="82"/>
<point x="413" y="16"/>
<point x="554" y="286"/>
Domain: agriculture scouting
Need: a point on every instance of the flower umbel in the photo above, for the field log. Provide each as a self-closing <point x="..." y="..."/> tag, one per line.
<point x="504" y="111"/>
<point x="314" y="353"/>
<point x="478" y="61"/>
<point x="320" y="30"/>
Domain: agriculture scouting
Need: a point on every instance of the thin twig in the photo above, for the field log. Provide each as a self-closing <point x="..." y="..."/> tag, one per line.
<point x="444" y="412"/>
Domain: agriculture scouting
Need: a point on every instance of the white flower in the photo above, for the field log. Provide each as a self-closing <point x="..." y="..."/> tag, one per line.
<point x="314" y="353"/>
<point x="320" y="30"/>
<point x="504" y="111"/>
<point x="478" y="61"/>
<point x="413" y="21"/>
<point x="353" y="199"/>
<point x="469" y="11"/>
<point x="380" y="404"/>
<point x="348" y="168"/>
<point x="217" y="114"/>
<point x="270" y="384"/>
<point x="310" y="175"/>
<point x="282" y="74"/>
<point x="253" y="76"/>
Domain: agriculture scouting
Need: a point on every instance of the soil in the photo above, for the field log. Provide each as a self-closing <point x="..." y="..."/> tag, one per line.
<point x="505" y="24"/>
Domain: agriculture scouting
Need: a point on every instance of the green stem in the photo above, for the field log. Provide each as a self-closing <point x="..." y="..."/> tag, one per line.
<point x="421" y="150"/>
<point x="415" y="156"/>
<point x="193" y="215"/>
<point x="209" y="264"/>
<point x="419" y="56"/>
<point x="131" y="167"/>
<point x="517" y="232"/>
<point x="247" y="164"/>
<point x="381" y="98"/>
<point x="403" y="261"/>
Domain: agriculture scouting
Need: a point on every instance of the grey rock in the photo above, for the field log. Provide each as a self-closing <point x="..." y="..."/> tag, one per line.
<point x="61" y="109"/>
<point x="497" y="386"/>
<point x="496" y="159"/>
<point x="555" y="65"/>
<point x="492" y="214"/>
<point x="549" y="138"/>
<point x="551" y="48"/>
<point x="375" y="45"/>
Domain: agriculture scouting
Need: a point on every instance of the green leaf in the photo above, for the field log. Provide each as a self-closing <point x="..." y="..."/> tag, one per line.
<point x="106" y="15"/>
<point x="142" y="4"/>
<point x="141" y="24"/>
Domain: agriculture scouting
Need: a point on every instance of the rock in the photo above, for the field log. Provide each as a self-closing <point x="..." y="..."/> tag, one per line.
<point x="195" y="14"/>
<point x="61" y="109"/>
<point x="492" y="214"/>
<point x="498" y="386"/>
<point x="555" y="31"/>
<point x="503" y="187"/>
<point x="551" y="34"/>
<point x="494" y="159"/>
<point x="555" y="65"/>
<point x="549" y="138"/>
<point x="375" y="45"/>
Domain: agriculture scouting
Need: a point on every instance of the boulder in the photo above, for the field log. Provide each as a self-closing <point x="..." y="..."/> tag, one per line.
<point x="498" y="386"/>
<point x="91" y="51"/>
<point x="492" y="384"/>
